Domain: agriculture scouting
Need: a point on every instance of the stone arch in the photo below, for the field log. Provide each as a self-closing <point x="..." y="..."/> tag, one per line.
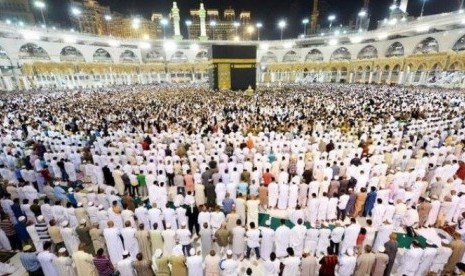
<point x="341" y="53"/>
<point x="33" y="51"/>
<point x="459" y="45"/>
<point x="314" y="55"/>
<point x="102" y="55"/>
<point x="427" y="45"/>
<point x="179" y="57"/>
<point x="71" y="54"/>
<point x="291" y="56"/>
<point x="396" y="49"/>
<point x="368" y="52"/>
<point x="437" y="67"/>
<point x="154" y="56"/>
<point x="269" y="57"/>
<point x="201" y="56"/>
<point x="455" y="66"/>
<point x="128" y="56"/>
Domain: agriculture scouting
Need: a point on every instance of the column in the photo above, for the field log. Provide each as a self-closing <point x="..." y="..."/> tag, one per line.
<point x="176" y="18"/>
<point x="370" y="78"/>
<point x="401" y="77"/>
<point x="351" y="76"/>
<point x="203" y="27"/>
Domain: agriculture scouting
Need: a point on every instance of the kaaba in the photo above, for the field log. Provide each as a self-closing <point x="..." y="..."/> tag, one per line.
<point x="234" y="67"/>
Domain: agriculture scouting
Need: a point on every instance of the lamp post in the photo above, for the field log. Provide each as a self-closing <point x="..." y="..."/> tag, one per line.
<point x="236" y="26"/>
<point x="213" y="25"/>
<point x="259" y="26"/>
<point x="108" y="18"/>
<point x="164" y="22"/>
<point x="331" y="18"/>
<point x="305" y="22"/>
<point x="250" y="30"/>
<point x="77" y="12"/>
<point x="188" y="25"/>
<point x="282" y="25"/>
<point x="422" y="8"/>
<point x="41" y="6"/>
<point x="361" y="16"/>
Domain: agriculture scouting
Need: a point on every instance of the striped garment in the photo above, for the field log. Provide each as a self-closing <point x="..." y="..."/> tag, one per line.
<point x="7" y="227"/>
<point x="42" y="231"/>
<point x="103" y="265"/>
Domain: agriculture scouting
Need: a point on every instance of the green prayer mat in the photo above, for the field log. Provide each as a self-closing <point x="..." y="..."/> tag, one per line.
<point x="403" y="240"/>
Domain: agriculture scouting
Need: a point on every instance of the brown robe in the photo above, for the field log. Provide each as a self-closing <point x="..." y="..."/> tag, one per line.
<point x="381" y="261"/>
<point x="365" y="264"/>
<point x="143" y="268"/>
<point x="423" y="211"/>
<point x="360" y="199"/>
<point x="178" y="265"/>
<point x="263" y="195"/>
<point x="458" y="248"/>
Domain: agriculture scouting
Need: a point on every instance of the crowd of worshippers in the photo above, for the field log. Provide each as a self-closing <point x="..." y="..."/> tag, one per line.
<point x="174" y="180"/>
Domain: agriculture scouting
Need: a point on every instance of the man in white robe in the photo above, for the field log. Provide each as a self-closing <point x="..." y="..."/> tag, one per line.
<point x="293" y="195"/>
<point x="377" y="213"/>
<point x="206" y="239"/>
<point x="291" y="264"/>
<point x="238" y="240"/>
<point x="322" y="207"/>
<point x="283" y="196"/>
<point x="129" y="239"/>
<point x="411" y="259"/>
<point x="143" y="216"/>
<point x="47" y="260"/>
<point x="434" y="212"/>
<point x="350" y="235"/>
<point x="112" y="237"/>
<point x="267" y="242"/>
<point x="273" y="194"/>
<point x="64" y="263"/>
<point x="70" y="238"/>
<point x="429" y="254"/>
<point x="347" y="263"/>
<point x="252" y="210"/>
<point x="124" y="266"/>
<point x="442" y="256"/>
<point x="229" y="266"/>
<point x="297" y="238"/>
<point x="282" y="239"/>
<point x="312" y="209"/>
<point x="169" y="240"/>
<point x="194" y="263"/>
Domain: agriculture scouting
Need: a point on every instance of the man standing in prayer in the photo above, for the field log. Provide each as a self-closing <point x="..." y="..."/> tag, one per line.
<point x="84" y="261"/>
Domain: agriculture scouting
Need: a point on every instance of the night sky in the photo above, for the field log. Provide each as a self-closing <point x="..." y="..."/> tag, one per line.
<point x="266" y="11"/>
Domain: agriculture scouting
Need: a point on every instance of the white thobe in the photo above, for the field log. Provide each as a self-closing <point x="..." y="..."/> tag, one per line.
<point x="47" y="262"/>
<point x="410" y="261"/>
<point x="323" y="241"/>
<point x="433" y="214"/>
<point x="169" y="241"/>
<point x="383" y="235"/>
<point x="252" y="211"/>
<point x="297" y="239"/>
<point x="206" y="240"/>
<point x="293" y="196"/>
<point x="282" y="238"/>
<point x="238" y="240"/>
<point x="129" y="241"/>
<point x="70" y="239"/>
<point x="230" y="267"/>
<point x="194" y="265"/>
<point x="291" y="266"/>
<point x="377" y="215"/>
<point x="125" y="267"/>
<point x="283" y="196"/>
<point x="64" y="266"/>
<point x="322" y="208"/>
<point x="268" y="238"/>
<point x="350" y="237"/>
<point x="427" y="259"/>
<point x="114" y="243"/>
<point x="441" y="259"/>
<point x="273" y="194"/>
<point x="346" y="265"/>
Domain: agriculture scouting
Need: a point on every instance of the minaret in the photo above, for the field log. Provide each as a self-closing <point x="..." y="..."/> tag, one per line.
<point x="314" y="17"/>
<point x="203" y="27"/>
<point x="366" y="3"/>
<point x="403" y="5"/>
<point x="176" y="18"/>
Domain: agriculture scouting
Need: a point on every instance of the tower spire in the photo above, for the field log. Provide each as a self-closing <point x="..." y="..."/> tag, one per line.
<point x="314" y="17"/>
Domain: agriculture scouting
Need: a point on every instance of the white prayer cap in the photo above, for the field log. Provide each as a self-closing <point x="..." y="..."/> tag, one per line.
<point x="40" y="218"/>
<point x="158" y="253"/>
<point x="268" y="222"/>
<point x="56" y="183"/>
<point x="125" y="253"/>
<point x="62" y="250"/>
<point x="64" y="223"/>
<point x="83" y="221"/>
<point x="381" y="249"/>
<point x="79" y="204"/>
<point x="90" y="203"/>
<point x="70" y="190"/>
<point x="434" y="197"/>
<point x="306" y="251"/>
<point x="90" y="189"/>
<point x="428" y="199"/>
<point x="445" y="241"/>
<point x="168" y="225"/>
<point x="100" y="207"/>
<point x="22" y="218"/>
<point x="183" y="223"/>
<point x="27" y="247"/>
<point x="350" y="252"/>
<point x="192" y="252"/>
<point x="336" y="177"/>
<point x="229" y="252"/>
